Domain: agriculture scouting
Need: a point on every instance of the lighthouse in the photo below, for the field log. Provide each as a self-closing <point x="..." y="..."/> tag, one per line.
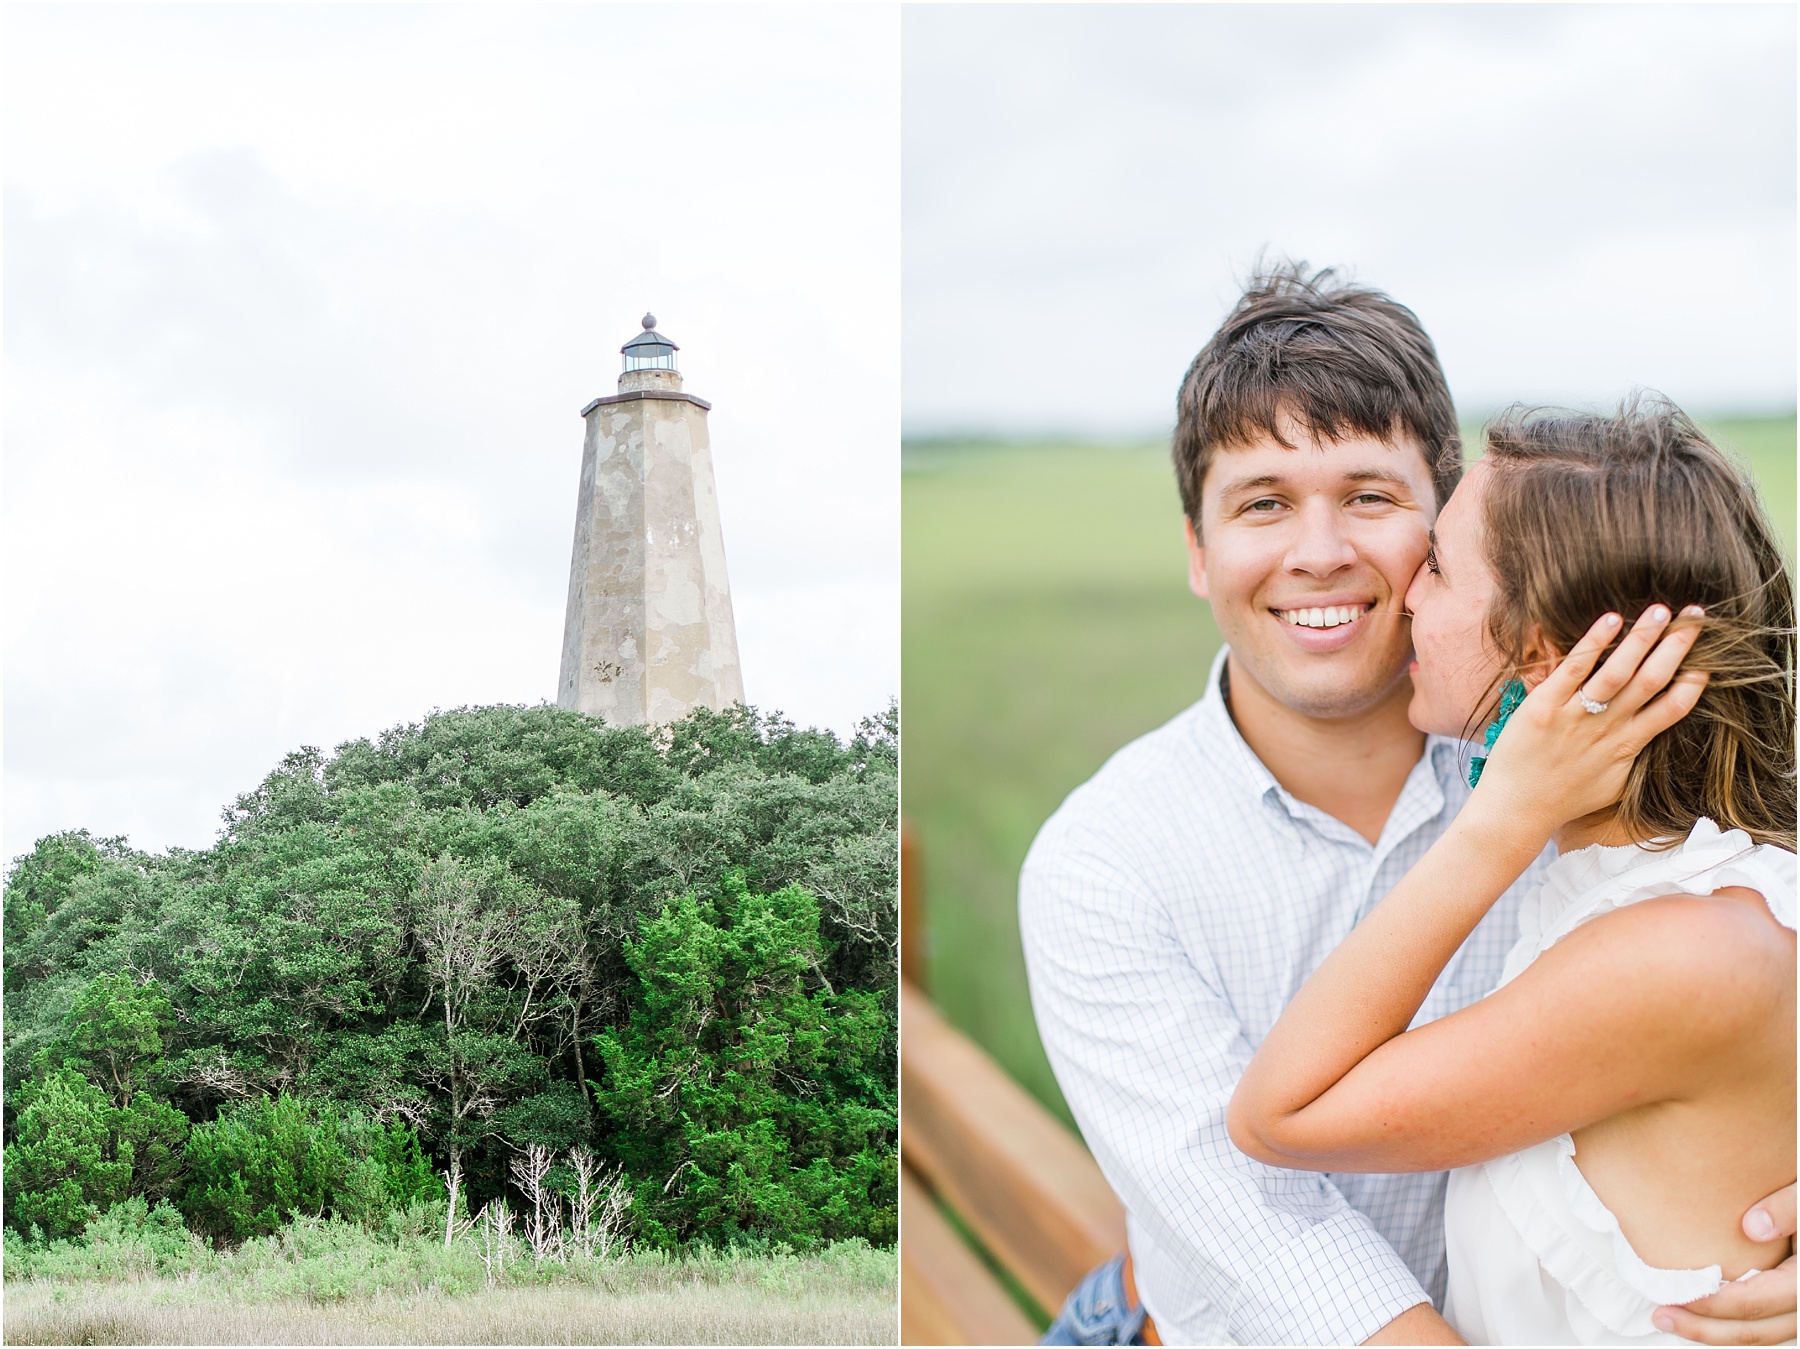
<point x="648" y="635"/>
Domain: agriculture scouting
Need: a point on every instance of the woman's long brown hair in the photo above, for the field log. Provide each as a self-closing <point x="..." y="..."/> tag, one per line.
<point x="1588" y="514"/>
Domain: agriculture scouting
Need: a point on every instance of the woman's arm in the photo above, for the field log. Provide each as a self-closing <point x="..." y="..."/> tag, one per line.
<point x="1338" y="1084"/>
<point x="1629" y="1009"/>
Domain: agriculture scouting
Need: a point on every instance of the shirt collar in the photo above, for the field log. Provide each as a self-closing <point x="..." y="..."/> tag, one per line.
<point x="1238" y="762"/>
<point x="1233" y="754"/>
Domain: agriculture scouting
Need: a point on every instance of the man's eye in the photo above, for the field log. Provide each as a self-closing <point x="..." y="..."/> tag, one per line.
<point x="1264" y="504"/>
<point x="1431" y="562"/>
<point x="1370" y="499"/>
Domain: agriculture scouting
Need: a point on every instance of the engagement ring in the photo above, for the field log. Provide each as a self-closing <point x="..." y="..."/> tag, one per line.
<point x="1589" y="703"/>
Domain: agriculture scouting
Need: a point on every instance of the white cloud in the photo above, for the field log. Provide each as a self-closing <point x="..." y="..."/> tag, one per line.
<point x="302" y="302"/>
<point x="1574" y="198"/>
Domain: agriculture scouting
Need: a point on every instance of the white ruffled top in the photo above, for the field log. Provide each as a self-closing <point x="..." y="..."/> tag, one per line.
<point x="1535" y="1257"/>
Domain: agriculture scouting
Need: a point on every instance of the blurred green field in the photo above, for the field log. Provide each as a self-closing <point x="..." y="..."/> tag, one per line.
<point x="1046" y="621"/>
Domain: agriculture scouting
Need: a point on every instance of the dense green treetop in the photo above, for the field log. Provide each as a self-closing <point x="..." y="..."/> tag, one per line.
<point x="463" y="927"/>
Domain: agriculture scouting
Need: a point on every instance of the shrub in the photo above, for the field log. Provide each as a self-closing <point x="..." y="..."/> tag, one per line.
<point x="260" y="1164"/>
<point x="751" y="1098"/>
<point x="266" y="1162"/>
<point x="63" y="1166"/>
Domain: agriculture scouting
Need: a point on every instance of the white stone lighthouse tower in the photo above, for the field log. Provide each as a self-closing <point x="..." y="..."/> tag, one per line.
<point x="649" y="635"/>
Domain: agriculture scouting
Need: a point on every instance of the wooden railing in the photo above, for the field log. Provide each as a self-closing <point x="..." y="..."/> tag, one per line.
<point x="975" y="1142"/>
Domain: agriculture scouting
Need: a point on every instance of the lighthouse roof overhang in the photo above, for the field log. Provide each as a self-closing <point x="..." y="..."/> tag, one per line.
<point x="664" y="395"/>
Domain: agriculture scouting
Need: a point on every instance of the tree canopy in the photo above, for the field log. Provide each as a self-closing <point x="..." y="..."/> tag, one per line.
<point x="496" y="927"/>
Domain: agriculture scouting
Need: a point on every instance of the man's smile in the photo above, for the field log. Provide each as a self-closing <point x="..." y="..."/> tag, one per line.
<point x="1324" y="616"/>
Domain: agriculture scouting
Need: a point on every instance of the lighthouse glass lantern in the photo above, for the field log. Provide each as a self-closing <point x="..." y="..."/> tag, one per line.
<point x="649" y="350"/>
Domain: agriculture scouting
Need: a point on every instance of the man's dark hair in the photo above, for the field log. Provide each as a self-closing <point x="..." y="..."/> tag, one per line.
<point x="1341" y="360"/>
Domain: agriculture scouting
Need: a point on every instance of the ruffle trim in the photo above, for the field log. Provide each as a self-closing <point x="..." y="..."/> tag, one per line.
<point x="1622" y="1294"/>
<point x="1659" y="1286"/>
<point x="1541" y="1190"/>
<point x="1581" y="886"/>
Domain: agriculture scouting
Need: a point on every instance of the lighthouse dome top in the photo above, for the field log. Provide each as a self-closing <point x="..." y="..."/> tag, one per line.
<point x="649" y="350"/>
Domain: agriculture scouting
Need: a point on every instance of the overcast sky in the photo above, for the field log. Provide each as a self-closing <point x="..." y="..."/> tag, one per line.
<point x="302" y="303"/>
<point x="1574" y="199"/>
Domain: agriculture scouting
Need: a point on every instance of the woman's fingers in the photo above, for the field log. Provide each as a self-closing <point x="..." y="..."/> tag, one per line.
<point x="1640" y="692"/>
<point x="1614" y="679"/>
<point x="1659" y="667"/>
<point x="1606" y="683"/>
<point x="1681" y="697"/>
<point x="1560" y="684"/>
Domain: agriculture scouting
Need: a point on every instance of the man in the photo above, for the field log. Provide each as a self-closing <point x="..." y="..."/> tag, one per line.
<point x="1179" y="899"/>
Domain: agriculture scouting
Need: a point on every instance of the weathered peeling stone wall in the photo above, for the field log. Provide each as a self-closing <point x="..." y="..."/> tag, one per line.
<point x="649" y="634"/>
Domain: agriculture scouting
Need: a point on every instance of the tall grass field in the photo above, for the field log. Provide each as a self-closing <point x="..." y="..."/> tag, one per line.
<point x="1046" y="621"/>
<point x="329" y="1282"/>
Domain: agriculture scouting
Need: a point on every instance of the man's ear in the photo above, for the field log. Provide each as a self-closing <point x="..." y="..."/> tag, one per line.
<point x="1196" y="560"/>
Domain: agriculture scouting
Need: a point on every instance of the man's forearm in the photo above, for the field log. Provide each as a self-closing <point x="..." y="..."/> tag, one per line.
<point x="1416" y="1325"/>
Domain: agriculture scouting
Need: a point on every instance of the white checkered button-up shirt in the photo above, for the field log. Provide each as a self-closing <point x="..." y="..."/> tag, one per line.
<point x="1170" y="909"/>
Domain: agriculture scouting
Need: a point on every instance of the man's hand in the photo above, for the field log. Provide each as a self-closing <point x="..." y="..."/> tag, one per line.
<point x="1417" y="1325"/>
<point x="1756" y="1311"/>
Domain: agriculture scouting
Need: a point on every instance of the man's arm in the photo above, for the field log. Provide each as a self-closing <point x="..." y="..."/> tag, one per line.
<point x="1147" y="1049"/>
<point x="1420" y="1325"/>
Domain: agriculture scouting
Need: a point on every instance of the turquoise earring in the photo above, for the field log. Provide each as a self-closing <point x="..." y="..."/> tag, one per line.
<point x="1510" y="698"/>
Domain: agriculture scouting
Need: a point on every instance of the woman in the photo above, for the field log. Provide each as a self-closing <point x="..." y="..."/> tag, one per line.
<point x="1628" y="1090"/>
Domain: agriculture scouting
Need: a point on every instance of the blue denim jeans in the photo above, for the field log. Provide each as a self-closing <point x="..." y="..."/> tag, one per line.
<point x="1097" y="1312"/>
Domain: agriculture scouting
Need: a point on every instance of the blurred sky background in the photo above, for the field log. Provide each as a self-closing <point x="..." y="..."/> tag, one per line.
<point x="1575" y="199"/>
<point x="302" y="303"/>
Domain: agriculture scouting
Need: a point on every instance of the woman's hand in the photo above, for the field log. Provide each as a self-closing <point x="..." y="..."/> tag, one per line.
<point x="1556" y="760"/>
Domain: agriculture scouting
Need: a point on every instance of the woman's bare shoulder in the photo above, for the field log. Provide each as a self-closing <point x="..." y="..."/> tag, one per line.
<point x="1706" y="967"/>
